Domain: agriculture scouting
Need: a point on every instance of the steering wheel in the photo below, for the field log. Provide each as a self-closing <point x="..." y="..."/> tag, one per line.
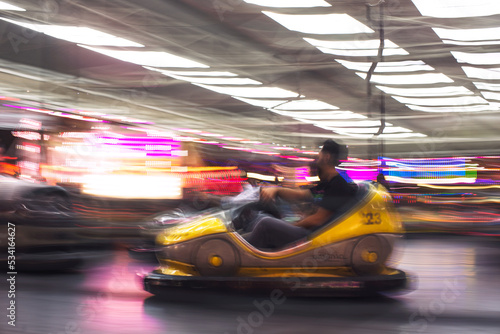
<point x="248" y="212"/>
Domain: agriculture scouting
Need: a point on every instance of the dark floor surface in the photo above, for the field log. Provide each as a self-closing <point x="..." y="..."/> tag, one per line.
<point x="457" y="291"/>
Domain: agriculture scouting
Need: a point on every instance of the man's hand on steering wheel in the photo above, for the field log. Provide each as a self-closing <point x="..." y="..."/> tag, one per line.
<point x="268" y="194"/>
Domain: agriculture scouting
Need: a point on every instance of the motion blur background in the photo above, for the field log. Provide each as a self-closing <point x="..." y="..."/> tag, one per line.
<point x="131" y="108"/>
<point x="119" y="100"/>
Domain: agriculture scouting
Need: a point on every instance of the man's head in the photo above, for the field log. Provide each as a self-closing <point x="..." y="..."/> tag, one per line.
<point x="329" y="156"/>
<point x="331" y="152"/>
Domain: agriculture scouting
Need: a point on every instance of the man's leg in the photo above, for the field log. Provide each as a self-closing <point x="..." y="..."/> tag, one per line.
<point x="270" y="232"/>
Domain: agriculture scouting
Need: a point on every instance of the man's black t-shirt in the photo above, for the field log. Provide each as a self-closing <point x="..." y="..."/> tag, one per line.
<point x="273" y="233"/>
<point x="332" y="195"/>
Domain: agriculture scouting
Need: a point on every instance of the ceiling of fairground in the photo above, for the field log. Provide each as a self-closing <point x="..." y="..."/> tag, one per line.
<point x="401" y="78"/>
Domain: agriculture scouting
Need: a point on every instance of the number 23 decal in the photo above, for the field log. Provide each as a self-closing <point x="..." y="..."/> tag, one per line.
<point x="371" y="218"/>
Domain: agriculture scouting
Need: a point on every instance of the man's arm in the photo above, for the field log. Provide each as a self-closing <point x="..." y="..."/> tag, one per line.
<point x="316" y="219"/>
<point x="288" y="194"/>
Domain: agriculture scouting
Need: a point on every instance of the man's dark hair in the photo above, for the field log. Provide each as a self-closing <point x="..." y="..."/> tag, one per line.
<point x="337" y="151"/>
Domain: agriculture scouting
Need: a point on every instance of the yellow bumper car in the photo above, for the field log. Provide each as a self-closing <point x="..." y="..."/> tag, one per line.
<point x="348" y="256"/>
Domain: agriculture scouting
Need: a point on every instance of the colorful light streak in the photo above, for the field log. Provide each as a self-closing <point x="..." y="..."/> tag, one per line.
<point x="6" y="98"/>
<point x="29" y="148"/>
<point x="28" y="135"/>
<point x="476" y="187"/>
<point x="296" y="158"/>
<point x="280" y="148"/>
<point x="264" y="152"/>
<point x="236" y="148"/>
<point x="133" y="186"/>
<point x="422" y="182"/>
<point x="245" y="141"/>
<point x="262" y="177"/>
<point x="85" y="115"/>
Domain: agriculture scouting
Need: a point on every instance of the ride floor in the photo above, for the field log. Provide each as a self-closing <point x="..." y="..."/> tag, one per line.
<point x="456" y="291"/>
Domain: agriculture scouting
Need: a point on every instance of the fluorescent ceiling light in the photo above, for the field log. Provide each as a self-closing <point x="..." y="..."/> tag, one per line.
<point x="80" y="35"/>
<point x="316" y="115"/>
<point x="491" y="95"/>
<point x="148" y="58"/>
<point x="289" y="3"/>
<point x="350" y="123"/>
<point x="355" y="135"/>
<point x="409" y="79"/>
<point x="372" y="130"/>
<point x="306" y="105"/>
<point x="400" y="66"/>
<point x="308" y="117"/>
<point x="252" y="92"/>
<point x="395" y="129"/>
<point x="357" y="47"/>
<point x="261" y="103"/>
<point x="442" y="101"/>
<point x="475" y="108"/>
<point x="371" y="44"/>
<point x="193" y="73"/>
<point x="457" y="8"/>
<point x="495" y="105"/>
<point x="447" y="41"/>
<point x="482" y="73"/>
<point x="492" y="58"/>
<point x="487" y="86"/>
<point x="206" y="77"/>
<point x="6" y="6"/>
<point x="390" y="135"/>
<point x="363" y="53"/>
<point x="426" y="92"/>
<point x="478" y="34"/>
<point x="216" y="81"/>
<point x="320" y="24"/>
<point x="401" y="135"/>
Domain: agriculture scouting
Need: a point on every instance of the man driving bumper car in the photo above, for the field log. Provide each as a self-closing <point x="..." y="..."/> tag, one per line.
<point x="332" y="192"/>
<point x="342" y="249"/>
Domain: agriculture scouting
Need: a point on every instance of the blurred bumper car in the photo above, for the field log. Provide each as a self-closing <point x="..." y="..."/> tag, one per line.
<point x="41" y="226"/>
<point x="145" y="247"/>
<point x="349" y="256"/>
